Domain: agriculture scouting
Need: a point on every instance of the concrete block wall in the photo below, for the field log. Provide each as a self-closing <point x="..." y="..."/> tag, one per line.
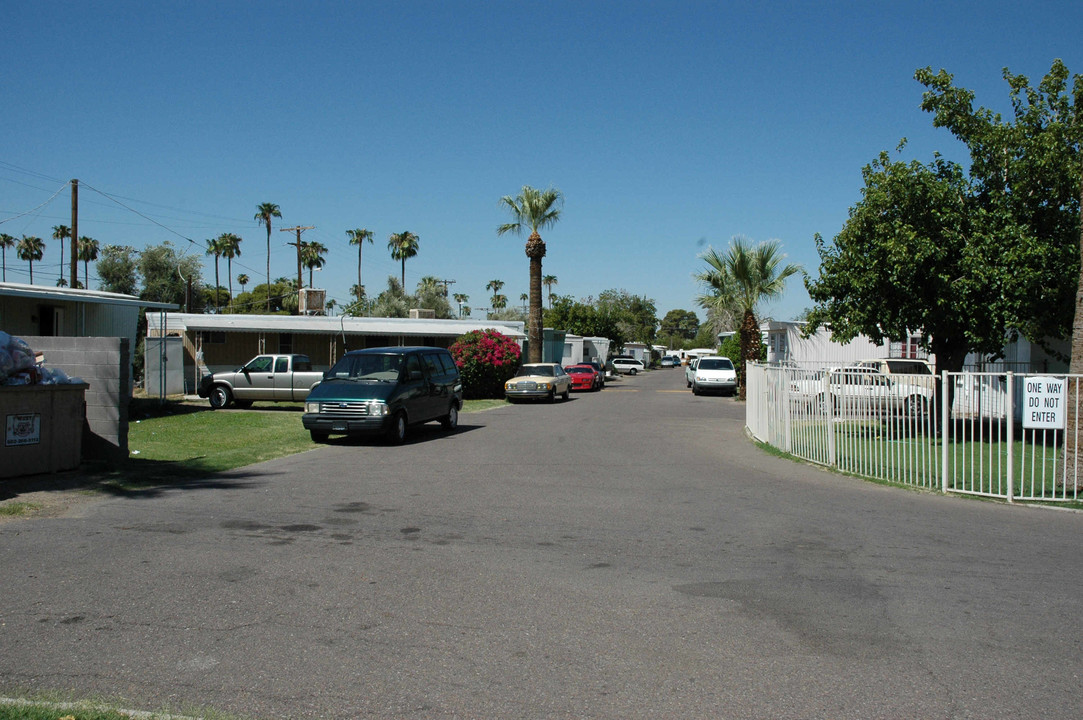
<point x="105" y="364"/>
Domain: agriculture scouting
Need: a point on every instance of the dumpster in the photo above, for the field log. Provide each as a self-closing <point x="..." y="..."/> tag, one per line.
<point x="43" y="428"/>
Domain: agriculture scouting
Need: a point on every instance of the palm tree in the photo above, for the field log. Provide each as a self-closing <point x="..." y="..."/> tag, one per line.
<point x="230" y="246"/>
<point x="330" y="305"/>
<point x="534" y="209"/>
<point x="6" y="241"/>
<point x="312" y="257"/>
<point x="403" y="246"/>
<point x="738" y="281"/>
<point x="30" y="249"/>
<point x="495" y="286"/>
<point x="61" y="233"/>
<point x="358" y="238"/>
<point x="500" y="301"/>
<point x="264" y="213"/>
<point x="460" y="298"/>
<point x="464" y="311"/>
<point x="214" y="247"/>
<point x="523" y="297"/>
<point x="243" y="280"/>
<point x="88" y="251"/>
<point x="549" y="281"/>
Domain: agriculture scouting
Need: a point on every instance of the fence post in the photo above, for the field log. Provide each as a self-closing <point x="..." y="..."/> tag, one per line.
<point x="829" y="411"/>
<point x="1011" y="435"/>
<point x="945" y="430"/>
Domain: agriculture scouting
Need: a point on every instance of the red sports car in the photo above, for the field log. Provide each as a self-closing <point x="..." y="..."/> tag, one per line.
<point x="584" y="377"/>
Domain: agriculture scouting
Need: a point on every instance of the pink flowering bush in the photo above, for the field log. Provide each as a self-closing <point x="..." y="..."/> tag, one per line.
<point x="486" y="360"/>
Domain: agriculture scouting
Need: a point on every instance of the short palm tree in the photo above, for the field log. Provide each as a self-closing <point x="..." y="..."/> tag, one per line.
<point x="495" y="286"/>
<point x="214" y="247"/>
<point x="737" y="281"/>
<point x="6" y="241"/>
<point x="88" y="252"/>
<point x="230" y="246"/>
<point x="461" y="298"/>
<point x="523" y="298"/>
<point x="61" y="233"/>
<point x="533" y="209"/>
<point x="358" y="237"/>
<point x="312" y="257"/>
<point x="243" y="280"/>
<point x="264" y="213"/>
<point x="30" y="249"/>
<point x="549" y="281"/>
<point x="403" y="245"/>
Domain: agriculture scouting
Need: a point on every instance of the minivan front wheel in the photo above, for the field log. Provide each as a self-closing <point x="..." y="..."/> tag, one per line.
<point x="396" y="429"/>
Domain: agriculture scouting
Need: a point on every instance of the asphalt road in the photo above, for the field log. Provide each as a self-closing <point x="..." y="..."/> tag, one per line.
<point x="625" y="554"/>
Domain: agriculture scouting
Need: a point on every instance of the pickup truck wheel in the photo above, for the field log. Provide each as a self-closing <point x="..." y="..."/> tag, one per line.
<point x="396" y="429"/>
<point x="318" y="436"/>
<point x="451" y="420"/>
<point x="221" y="397"/>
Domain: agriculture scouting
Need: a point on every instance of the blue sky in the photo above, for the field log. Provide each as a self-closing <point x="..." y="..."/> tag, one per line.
<point x="668" y="126"/>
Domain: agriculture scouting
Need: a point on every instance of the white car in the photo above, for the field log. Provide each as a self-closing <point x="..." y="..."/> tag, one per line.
<point x="690" y="371"/>
<point x="862" y="390"/>
<point x="714" y="374"/>
<point x="626" y="365"/>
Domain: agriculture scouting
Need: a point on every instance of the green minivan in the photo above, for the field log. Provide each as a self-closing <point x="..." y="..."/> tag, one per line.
<point x="385" y="390"/>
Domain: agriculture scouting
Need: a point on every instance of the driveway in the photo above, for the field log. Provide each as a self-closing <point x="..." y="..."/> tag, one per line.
<point x="625" y="554"/>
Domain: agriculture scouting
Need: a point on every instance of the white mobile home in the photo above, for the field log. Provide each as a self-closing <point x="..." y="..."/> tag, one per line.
<point x="786" y="345"/>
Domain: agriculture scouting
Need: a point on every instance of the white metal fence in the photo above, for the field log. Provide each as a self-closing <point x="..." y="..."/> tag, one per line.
<point x="896" y="428"/>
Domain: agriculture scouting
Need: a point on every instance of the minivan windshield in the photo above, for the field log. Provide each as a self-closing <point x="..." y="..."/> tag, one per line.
<point x="379" y="368"/>
<point x="715" y="364"/>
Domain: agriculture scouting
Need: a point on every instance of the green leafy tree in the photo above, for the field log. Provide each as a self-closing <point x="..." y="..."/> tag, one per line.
<point x="583" y="318"/>
<point x="117" y="269"/>
<point x="635" y="315"/>
<point x="165" y="274"/>
<point x="403" y="246"/>
<point x="61" y="233"/>
<point x="678" y="326"/>
<point x="486" y="360"/>
<point x="30" y="249"/>
<point x="392" y="302"/>
<point x="432" y="295"/>
<point x="536" y="210"/>
<point x="264" y="213"/>
<point x="359" y="237"/>
<point x="738" y="281"/>
<point x="88" y="252"/>
<point x="6" y="241"/>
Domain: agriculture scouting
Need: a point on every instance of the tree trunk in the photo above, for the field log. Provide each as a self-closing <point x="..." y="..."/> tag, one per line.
<point x="268" y="266"/>
<point x="750" y="339"/>
<point x="1075" y="366"/>
<point x="535" y="250"/>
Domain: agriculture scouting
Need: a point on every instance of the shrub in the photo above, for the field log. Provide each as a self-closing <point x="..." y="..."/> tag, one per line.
<point x="486" y="360"/>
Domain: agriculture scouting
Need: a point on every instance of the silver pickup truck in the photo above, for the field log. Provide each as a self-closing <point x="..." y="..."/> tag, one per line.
<point x="278" y="378"/>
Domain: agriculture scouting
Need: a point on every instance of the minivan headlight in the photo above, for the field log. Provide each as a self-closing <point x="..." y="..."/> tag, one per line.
<point x="312" y="407"/>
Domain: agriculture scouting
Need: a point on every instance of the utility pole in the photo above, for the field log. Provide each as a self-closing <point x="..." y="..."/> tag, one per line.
<point x="74" y="234"/>
<point x="300" y="278"/>
<point x="445" y="283"/>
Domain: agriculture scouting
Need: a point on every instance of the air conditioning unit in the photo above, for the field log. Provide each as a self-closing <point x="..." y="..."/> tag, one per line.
<point x="311" y="301"/>
<point x="420" y="313"/>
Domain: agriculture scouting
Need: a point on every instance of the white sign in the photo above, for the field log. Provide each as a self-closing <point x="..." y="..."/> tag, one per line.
<point x="24" y="429"/>
<point x="1044" y="402"/>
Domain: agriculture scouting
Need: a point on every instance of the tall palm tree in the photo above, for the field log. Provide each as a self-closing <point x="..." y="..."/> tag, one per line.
<point x="403" y="246"/>
<point x="88" y="251"/>
<point x="523" y="297"/>
<point x="461" y="298"/>
<point x="738" y="281"/>
<point x="534" y="209"/>
<point x="495" y="286"/>
<point x="230" y="246"/>
<point x="6" y="241"/>
<point x="358" y="237"/>
<point x="549" y="281"/>
<point x="264" y="213"/>
<point x="312" y="257"/>
<point x="243" y="280"/>
<point x="30" y="249"/>
<point x="61" y="233"/>
<point x="214" y="247"/>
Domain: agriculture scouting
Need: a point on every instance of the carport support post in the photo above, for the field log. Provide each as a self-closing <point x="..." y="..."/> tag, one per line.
<point x="1011" y="437"/>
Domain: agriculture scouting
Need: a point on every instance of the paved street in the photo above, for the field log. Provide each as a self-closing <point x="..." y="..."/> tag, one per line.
<point x="625" y="554"/>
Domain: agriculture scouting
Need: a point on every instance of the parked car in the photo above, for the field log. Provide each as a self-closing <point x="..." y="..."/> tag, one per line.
<point x="714" y="374"/>
<point x="538" y="380"/>
<point x="903" y="366"/>
<point x="584" y="377"/>
<point x="385" y="390"/>
<point x="670" y="361"/>
<point x="690" y="371"/>
<point x="863" y="390"/>
<point x="278" y="378"/>
<point x="627" y="365"/>
<point x="601" y="373"/>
